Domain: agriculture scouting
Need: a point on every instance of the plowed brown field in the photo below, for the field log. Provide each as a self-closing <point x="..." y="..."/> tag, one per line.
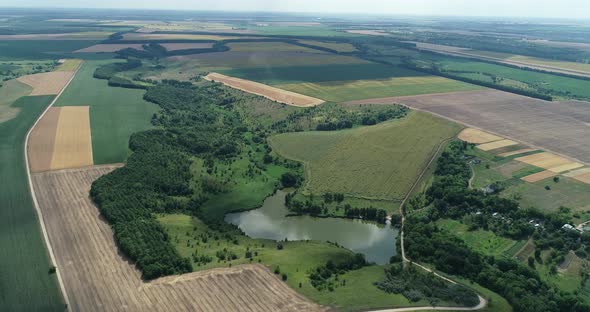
<point x="272" y="93"/>
<point x="98" y="278"/>
<point x="560" y="127"/>
<point x="47" y="83"/>
<point x="535" y="177"/>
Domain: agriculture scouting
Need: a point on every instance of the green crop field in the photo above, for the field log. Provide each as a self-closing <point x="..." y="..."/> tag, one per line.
<point x="379" y="161"/>
<point x="40" y="49"/>
<point x="558" y="85"/>
<point x="25" y="282"/>
<point x="341" y="91"/>
<point x="322" y="73"/>
<point x="268" y="46"/>
<point x="336" y="46"/>
<point x="9" y="92"/>
<point x="115" y="113"/>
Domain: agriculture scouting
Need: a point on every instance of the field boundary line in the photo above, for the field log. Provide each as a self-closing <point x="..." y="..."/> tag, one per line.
<point x="34" y="196"/>
<point x="495" y="133"/>
<point x="482" y="301"/>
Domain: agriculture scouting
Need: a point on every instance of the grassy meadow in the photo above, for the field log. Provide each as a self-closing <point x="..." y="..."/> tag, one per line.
<point x="25" y="283"/>
<point x="378" y="162"/>
<point x="297" y="259"/>
<point x="115" y="113"/>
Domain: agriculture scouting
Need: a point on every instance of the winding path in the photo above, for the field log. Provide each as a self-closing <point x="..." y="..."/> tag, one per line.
<point x="482" y="301"/>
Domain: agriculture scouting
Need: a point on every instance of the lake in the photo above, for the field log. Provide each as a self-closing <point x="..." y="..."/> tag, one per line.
<point x="376" y="242"/>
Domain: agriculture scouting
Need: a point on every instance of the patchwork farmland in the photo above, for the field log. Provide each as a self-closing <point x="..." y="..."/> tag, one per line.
<point x="553" y="126"/>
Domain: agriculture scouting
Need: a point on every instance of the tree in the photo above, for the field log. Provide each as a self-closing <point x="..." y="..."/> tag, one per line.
<point x="531" y="261"/>
<point x="289" y="179"/>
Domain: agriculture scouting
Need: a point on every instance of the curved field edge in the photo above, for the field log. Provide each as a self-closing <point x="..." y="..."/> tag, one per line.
<point x="404" y="145"/>
<point x="26" y="283"/>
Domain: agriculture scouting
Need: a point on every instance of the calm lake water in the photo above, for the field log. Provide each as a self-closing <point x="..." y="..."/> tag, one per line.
<point x="376" y="242"/>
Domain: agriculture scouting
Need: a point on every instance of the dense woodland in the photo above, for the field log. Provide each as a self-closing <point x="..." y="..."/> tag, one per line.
<point x="449" y="196"/>
<point x="416" y="285"/>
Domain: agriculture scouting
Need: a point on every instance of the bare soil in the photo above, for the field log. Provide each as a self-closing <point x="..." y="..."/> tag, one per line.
<point x="560" y="127"/>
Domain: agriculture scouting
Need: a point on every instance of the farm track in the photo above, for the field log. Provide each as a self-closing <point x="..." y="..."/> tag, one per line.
<point x="98" y="278"/>
<point x="482" y="301"/>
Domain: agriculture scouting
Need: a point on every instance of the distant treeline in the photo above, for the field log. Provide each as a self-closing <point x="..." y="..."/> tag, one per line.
<point x="491" y="85"/>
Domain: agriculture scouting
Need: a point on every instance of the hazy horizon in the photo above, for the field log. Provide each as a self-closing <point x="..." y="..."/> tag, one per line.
<point x="570" y="9"/>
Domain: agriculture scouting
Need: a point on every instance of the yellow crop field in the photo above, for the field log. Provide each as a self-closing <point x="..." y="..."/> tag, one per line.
<point x="73" y="144"/>
<point x="477" y="136"/>
<point x="496" y="144"/>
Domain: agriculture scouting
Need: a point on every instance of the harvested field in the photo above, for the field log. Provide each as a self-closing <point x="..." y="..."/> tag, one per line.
<point x="47" y="83"/>
<point x="186" y="46"/>
<point x="476" y="136"/>
<point x="550" y="162"/>
<point x="495" y="145"/>
<point x="510" y="168"/>
<point x="517" y="152"/>
<point x="98" y="278"/>
<point x="73" y="143"/>
<point x="42" y="141"/>
<point x="539" y="176"/>
<point x="272" y="93"/>
<point x="560" y="127"/>
<point x="61" y="140"/>
<point x="100" y="48"/>
<point x="68" y="65"/>
<point x="583" y="178"/>
<point x="577" y="172"/>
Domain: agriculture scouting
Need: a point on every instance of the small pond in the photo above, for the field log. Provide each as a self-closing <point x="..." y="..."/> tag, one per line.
<point x="376" y="242"/>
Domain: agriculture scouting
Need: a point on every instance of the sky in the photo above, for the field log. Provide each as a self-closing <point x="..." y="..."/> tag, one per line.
<point x="579" y="9"/>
